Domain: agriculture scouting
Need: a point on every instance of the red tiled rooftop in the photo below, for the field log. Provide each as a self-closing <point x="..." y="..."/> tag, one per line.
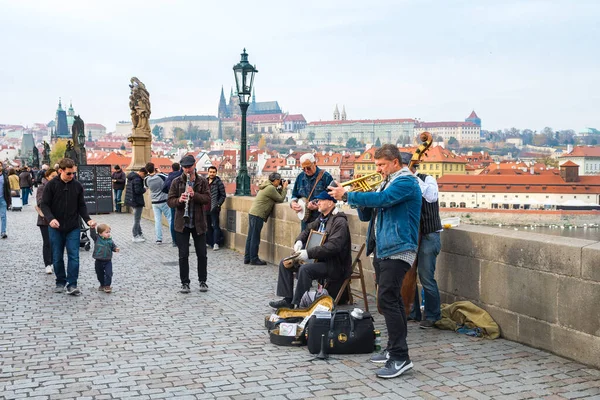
<point x="584" y="151"/>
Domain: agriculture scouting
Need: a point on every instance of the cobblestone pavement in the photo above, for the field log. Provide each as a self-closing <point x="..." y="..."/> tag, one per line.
<point x="146" y="340"/>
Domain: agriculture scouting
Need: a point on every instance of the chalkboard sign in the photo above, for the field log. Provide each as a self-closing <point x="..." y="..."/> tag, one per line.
<point x="97" y="187"/>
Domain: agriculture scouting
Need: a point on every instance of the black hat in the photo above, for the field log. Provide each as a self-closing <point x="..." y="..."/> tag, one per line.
<point x="325" y="196"/>
<point x="187" y="161"/>
<point x="405" y="157"/>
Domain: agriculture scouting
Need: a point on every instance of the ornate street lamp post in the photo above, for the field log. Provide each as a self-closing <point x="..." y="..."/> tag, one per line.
<point x="244" y="77"/>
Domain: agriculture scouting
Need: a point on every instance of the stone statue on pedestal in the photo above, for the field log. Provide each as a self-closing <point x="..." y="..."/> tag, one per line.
<point x="139" y="104"/>
<point x="141" y="137"/>
<point x="46" y="154"/>
<point x="78" y="135"/>
<point x="36" y="158"/>
<point x="71" y="153"/>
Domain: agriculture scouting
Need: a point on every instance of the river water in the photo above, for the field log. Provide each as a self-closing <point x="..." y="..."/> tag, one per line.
<point x="589" y="233"/>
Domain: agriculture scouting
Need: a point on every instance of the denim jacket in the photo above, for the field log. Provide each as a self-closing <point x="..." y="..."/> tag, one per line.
<point x="398" y="214"/>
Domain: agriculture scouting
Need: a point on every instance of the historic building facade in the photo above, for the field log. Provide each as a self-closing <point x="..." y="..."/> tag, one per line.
<point x="560" y="189"/>
<point x="467" y="132"/>
<point x="586" y="157"/>
<point x="338" y="131"/>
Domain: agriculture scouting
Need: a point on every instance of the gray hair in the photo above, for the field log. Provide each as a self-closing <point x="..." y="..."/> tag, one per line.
<point x="307" y="156"/>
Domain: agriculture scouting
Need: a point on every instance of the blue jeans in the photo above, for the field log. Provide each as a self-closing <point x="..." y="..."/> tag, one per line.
<point x="160" y="210"/>
<point x="255" y="225"/>
<point x="428" y="251"/>
<point x="172" y="226"/>
<point x="118" y="194"/>
<point x="213" y="230"/>
<point x="25" y="195"/>
<point x="59" y="241"/>
<point x="3" y="206"/>
<point x="104" y="272"/>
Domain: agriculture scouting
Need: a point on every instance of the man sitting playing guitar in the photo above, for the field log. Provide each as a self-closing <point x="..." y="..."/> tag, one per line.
<point x="332" y="259"/>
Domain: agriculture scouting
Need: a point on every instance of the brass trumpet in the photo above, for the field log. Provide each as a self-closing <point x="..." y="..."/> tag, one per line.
<point x="366" y="183"/>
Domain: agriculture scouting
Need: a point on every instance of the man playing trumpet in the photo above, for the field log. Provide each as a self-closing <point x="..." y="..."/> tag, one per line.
<point x="394" y="212"/>
<point x="332" y="259"/>
<point x="188" y="194"/>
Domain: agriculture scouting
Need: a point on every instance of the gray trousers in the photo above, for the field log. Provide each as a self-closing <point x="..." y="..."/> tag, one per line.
<point x="306" y="274"/>
<point x="137" y="216"/>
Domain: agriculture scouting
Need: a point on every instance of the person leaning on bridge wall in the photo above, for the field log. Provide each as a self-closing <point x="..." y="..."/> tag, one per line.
<point x="273" y="191"/>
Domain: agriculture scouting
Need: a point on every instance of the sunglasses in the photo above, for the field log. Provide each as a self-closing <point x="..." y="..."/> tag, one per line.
<point x="307" y="168"/>
<point x="70" y="173"/>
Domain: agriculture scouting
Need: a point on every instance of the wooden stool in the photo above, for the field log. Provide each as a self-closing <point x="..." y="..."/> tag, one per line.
<point x="357" y="273"/>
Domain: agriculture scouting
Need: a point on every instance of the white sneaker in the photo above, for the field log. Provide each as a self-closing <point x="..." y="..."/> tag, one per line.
<point x="49" y="269"/>
<point x="216" y="247"/>
<point x="138" y="239"/>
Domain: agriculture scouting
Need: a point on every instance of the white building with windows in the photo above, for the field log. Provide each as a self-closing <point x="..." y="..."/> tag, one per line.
<point x="586" y="157"/>
<point x="551" y="190"/>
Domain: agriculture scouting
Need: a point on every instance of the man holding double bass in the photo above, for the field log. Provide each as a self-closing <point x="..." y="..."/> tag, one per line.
<point x="394" y="211"/>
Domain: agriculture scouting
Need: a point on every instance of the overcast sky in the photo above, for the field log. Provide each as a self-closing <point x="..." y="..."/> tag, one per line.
<point x="527" y="64"/>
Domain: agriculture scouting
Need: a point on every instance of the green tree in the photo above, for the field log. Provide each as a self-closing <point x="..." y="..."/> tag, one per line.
<point x="178" y="134"/>
<point x="192" y="133"/>
<point x="452" y="142"/>
<point x="157" y="131"/>
<point x="378" y="142"/>
<point x="352" y="143"/>
<point x="58" y="151"/>
<point x="290" y="141"/>
<point x="311" y="137"/>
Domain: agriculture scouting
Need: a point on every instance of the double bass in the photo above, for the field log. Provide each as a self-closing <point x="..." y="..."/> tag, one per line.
<point x="409" y="284"/>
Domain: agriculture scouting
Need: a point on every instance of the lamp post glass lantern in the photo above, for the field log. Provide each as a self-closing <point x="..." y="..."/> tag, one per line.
<point x="244" y="78"/>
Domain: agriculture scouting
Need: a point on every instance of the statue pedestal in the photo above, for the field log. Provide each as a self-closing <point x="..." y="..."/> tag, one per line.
<point x="141" y="141"/>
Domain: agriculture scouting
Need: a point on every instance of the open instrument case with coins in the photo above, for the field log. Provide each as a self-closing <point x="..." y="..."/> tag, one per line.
<point x="297" y="319"/>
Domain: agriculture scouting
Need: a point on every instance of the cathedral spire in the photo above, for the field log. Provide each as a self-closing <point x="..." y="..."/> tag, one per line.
<point x="222" y="105"/>
<point x="344" y="113"/>
<point x="336" y="113"/>
<point x="59" y="104"/>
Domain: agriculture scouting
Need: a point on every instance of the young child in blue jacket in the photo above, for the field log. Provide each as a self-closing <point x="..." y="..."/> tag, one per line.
<point x="103" y="249"/>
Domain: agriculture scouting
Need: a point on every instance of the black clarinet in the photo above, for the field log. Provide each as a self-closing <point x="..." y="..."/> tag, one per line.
<point x="186" y="213"/>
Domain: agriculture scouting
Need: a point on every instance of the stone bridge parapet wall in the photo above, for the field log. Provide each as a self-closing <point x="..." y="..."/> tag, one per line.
<point x="543" y="291"/>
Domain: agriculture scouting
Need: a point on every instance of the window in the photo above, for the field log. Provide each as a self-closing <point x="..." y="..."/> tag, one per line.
<point x="443" y="204"/>
<point x="452" y="205"/>
<point x="463" y="205"/>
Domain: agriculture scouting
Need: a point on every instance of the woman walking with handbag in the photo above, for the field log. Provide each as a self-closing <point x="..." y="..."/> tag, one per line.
<point x="41" y="221"/>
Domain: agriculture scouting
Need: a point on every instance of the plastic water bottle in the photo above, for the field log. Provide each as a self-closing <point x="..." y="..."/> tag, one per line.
<point x="377" y="340"/>
<point x="422" y="300"/>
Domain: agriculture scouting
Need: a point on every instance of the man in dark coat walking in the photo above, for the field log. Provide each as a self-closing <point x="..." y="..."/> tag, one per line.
<point x="118" y="182"/>
<point x="213" y="210"/>
<point x="134" y="198"/>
